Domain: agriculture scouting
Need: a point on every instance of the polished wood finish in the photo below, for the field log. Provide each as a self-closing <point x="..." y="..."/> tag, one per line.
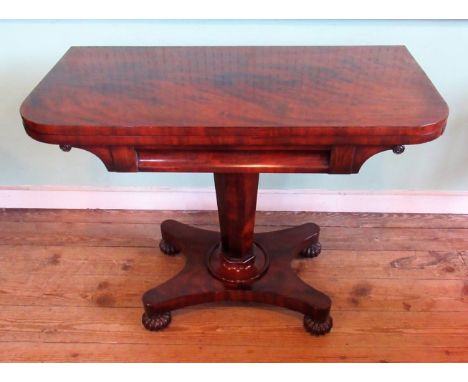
<point x="71" y="285"/>
<point x="235" y="109"/>
<point x="236" y="214"/>
<point x="241" y="267"/>
<point x="236" y="112"/>
<point x="236" y="161"/>
<point x="279" y="286"/>
<point x="235" y="91"/>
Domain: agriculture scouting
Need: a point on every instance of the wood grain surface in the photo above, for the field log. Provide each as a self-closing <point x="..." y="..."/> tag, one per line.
<point x="71" y="285"/>
<point x="235" y="109"/>
<point x="131" y="91"/>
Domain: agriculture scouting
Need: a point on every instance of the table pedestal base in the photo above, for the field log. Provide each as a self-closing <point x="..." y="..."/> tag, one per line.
<point x="273" y="283"/>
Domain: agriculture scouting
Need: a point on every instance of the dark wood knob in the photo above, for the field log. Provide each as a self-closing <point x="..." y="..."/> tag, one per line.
<point x="65" y="148"/>
<point x="399" y="149"/>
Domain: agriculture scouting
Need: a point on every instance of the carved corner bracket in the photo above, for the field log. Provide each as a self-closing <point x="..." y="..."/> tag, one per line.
<point x="116" y="158"/>
<point x="349" y="159"/>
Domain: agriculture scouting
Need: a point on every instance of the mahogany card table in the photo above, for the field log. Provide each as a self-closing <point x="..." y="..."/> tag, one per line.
<point x="236" y="112"/>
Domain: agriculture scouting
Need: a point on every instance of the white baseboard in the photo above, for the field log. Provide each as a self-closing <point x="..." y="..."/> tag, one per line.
<point x="204" y="199"/>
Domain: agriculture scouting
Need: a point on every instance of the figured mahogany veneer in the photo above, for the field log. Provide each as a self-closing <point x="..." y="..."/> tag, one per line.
<point x="236" y="112"/>
<point x="175" y="108"/>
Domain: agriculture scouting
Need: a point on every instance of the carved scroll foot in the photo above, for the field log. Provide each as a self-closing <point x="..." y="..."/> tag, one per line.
<point x="168" y="248"/>
<point x="317" y="328"/>
<point x="156" y="322"/>
<point x="311" y="251"/>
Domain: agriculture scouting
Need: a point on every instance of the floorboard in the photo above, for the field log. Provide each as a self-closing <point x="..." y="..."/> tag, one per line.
<point x="71" y="284"/>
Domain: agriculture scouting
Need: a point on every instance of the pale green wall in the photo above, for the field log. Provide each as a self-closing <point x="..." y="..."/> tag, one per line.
<point x="28" y="49"/>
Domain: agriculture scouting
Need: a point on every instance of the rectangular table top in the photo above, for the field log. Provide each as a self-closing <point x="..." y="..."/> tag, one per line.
<point x="235" y="94"/>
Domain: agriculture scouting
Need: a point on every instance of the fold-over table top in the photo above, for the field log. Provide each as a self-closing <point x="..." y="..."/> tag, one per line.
<point x="215" y="92"/>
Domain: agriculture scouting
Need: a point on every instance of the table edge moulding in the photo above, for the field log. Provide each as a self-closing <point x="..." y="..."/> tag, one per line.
<point x="236" y="112"/>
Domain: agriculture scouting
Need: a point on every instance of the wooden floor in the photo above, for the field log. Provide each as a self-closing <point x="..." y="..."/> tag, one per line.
<point x="71" y="285"/>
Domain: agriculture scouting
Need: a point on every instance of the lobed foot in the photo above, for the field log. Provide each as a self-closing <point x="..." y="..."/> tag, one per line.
<point x="312" y="250"/>
<point x="157" y="322"/>
<point x="317" y="328"/>
<point x="167" y="248"/>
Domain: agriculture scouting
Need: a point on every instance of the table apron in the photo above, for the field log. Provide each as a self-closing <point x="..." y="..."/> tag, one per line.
<point x="342" y="159"/>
